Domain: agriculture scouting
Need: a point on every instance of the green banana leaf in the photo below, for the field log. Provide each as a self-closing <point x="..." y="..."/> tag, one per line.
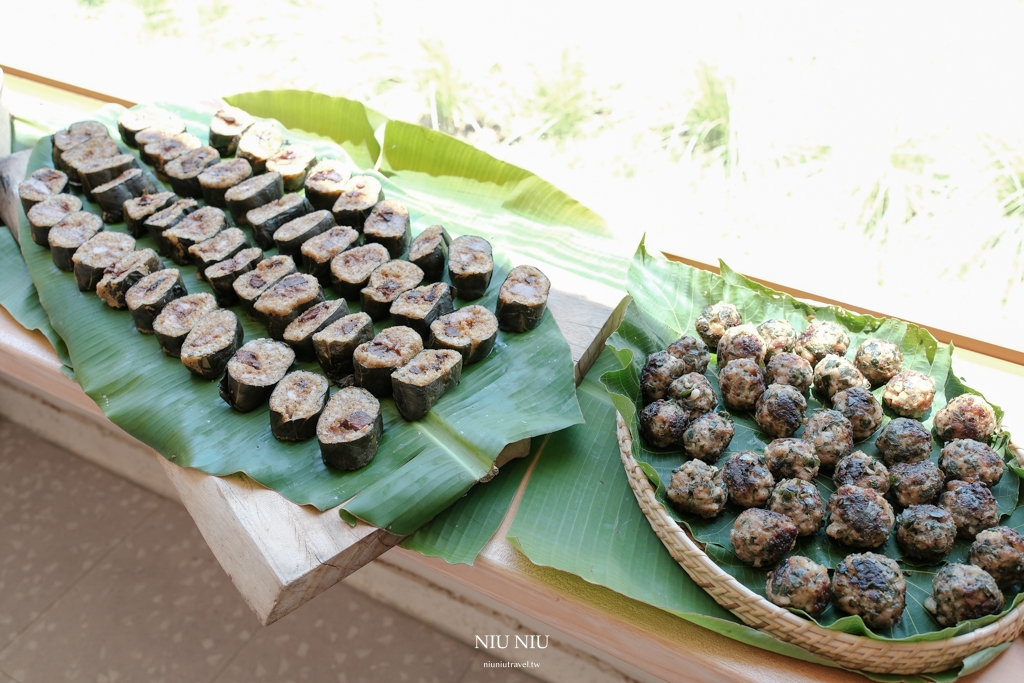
<point x="667" y="298"/>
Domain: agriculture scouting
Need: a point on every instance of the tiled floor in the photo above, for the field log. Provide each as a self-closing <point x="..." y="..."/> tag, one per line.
<point x="103" y="581"/>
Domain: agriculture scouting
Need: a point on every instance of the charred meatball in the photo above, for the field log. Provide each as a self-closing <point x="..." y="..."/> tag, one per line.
<point x="831" y="434"/>
<point x="748" y="479"/>
<point x="1000" y="552"/>
<point x="694" y="394"/>
<point x="761" y="537"/>
<point x="714" y="320"/>
<point x="800" y="583"/>
<point x="741" y="341"/>
<point x="780" y="410"/>
<point x="792" y="458"/>
<point x="662" y="423"/>
<point x="969" y="460"/>
<point x="779" y="337"/>
<point x="693" y="352"/>
<point x="909" y="393"/>
<point x="915" y="483"/>
<point x="878" y="360"/>
<point x="821" y="339"/>
<point x="834" y="373"/>
<point x="973" y="507"/>
<point x="697" y="488"/>
<point x="859" y="469"/>
<point x="871" y="586"/>
<point x="925" y="532"/>
<point x="904" y="440"/>
<point x="660" y="370"/>
<point x="741" y="384"/>
<point x="800" y="501"/>
<point x="858" y="517"/>
<point x="791" y="369"/>
<point x="966" y="417"/>
<point x="708" y="436"/>
<point x="859" y="406"/>
<point x="961" y="592"/>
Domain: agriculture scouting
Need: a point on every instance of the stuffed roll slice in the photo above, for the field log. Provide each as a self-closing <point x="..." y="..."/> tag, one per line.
<point x="123" y="275"/>
<point x="100" y="252"/>
<point x="299" y="333"/>
<point x="296" y="404"/>
<point x="76" y="157"/>
<point x="253" y="372"/>
<point x="349" y="429"/>
<point x="216" y="180"/>
<point x="94" y="173"/>
<point x="374" y="361"/>
<point x="522" y="299"/>
<point x="222" y="275"/>
<point x="194" y="228"/>
<point x="325" y="182"/>
<point x="48" y="213"/>
<point x="258" y="143"/>
<point x="286" y="300"/>
<point x="429" y="251"/>
<point x="211" y="343"/>
<point x="155" y="134"/>
<point x="74" y="135"/>
<point x="387" y="282"/>
<point x="419" y="384"/>
<point x="471" y="331"/>
<point x="165" y="219"/>
<point x="419" y="307"/>
<point x="139" y="118"/>
<point x="335" y="344"/>
<point x="148" y="297"/>
<point x="266" y="220"/>
<point x="137" y="210"/>
<point x="41" y="184"/>
<point x="318" y="251"/>
<point x="167" y="149"/>
<point x="111" y="196"/>
<point x="293" y="162"/>
<point x="388" y="225"/>
<point x="69" y="234"/>
<point x="290" y="237"/>
<point x="470" y="265"/>
<point x="220" y="247"/>
<point x="252" y="284"/>
<point x="184" y="171"/>
<point x="177" y="319"/>
<point x="357" y="198"/>
<point x="226" y="127"/>
<point x="350" y="270"/>
<point x="251" y="194"/>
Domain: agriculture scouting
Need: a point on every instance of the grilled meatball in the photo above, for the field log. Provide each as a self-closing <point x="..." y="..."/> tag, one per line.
<point x="904" y="440"/>
<point x="694" y="394"/>
<point x="761" y="537"/>
<point x="926" y="533"/>
<point x="800" y="501"/>
<point x="714" y="320"/>
<point x="748" y="478"/>
<point x="693" y="352"/>
<point x="791" y="369"/>
<point x="861" y="409"/>
<point x="915" y="483"/>
<point x="662" y="423"/>
<point x="660" y="370"/>
<point x="800" y="583"/>
<point x="961" y="592"/>
<point x="969" y="460"/>
<point x="780" y="410"/>
<point x="778" y="335"/>
<point x="973" y="507"/>
<point x="697" y="488"/>
<point x="1000" y="552"/>
<point x="821" y="339"/>
<point x="741" y="384"/>
<point x="858" y="517"/>
<point x="859" y="469"/>
<point x="741" y="341"/>
<point x="909" y="393"/>
<point x="834" y="373"/>
<point x="708" y="436"/>
<point x="789" y="458"/>
<point x="831" y="435"/>
<point x="871" y="586"/>
<point x="878" y="360"/>
<point x="966" y="417"/>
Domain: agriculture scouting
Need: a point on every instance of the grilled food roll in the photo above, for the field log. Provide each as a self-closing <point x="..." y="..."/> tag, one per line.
<point x="374" y="361"/>
<point x="253" y="193"/>
<point x="296" y="404"/>
<point x="165" y="219"/>
<point x="42" y="184"/>
<point x="429" y="251"/>
<point x="335" y="344"/>
<point x="419" y="307"/>
<point x="155" y="134"/>
<point x="286" y="300"/>
<point x="470" y="265"/>
<point x="293" y="162"/>
<point x="148" y="296"/>
<point x="216" y="180"/>
<point x="386" y="283"/>
<point x="177" y="318"/>
<point x="169" y="148"/>
<point x="325" y="182"/>
<point x="253" y="372"/>
<point x="69" y="234"/>
<point x="194" y="228"/>
<point x="357" y="198"/>
<point x="90" y="150"/>
<point x="220" y="247"/>
<point x="97" y="254"/>
<point x="122" y="276"/>
<point x="349" y="429"/>
<point x="211" y="343"/>
<point x="99" y="171"/>
<point x="112" y="195"/>
<point x="249" y="286"/>
<point x="137" y="210"/>
<point x="138" y="119"/>
<point x="299" y="333"/>
<point x="222" y="275"/>
<point x="522" y="299"/>
<point x="388" y="225"/>
<point x="419" y="384"/>
<point x="350" y="270"/>
<point x="74" y="135"/>
<point x="266" y="220"/>
<point x="318" y="251"/>
<point x="184" y="171"/>
<point x="48" y="213"/>
<point x="258" y="143"/>
<point x="471" y="331"/>
<point x="226" y="127"/>
<point x="290" y="237"/>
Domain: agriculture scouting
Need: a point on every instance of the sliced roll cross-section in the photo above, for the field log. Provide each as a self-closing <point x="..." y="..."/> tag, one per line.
<point x="194" y="228"/>
<point x="155" y="134"/>
<point x="222" y="275"/>
<point x="250" y="285"/>
<point x="112" y="195"/>
<point x="388" y="225"/>
<point x="177" y="319"/>
<point x="293" y="162"/>
<point x="226" y="127"/>
<point x="166" y="219"/>
<point x="90" y="150"/>
<point x="471" y="331"/>
<point x="522" y="299"/>
<point x="325" y="182"/>
<point x="123" y="275"/>
<point x="69" y="234"/>
<point x="165" y="150"/>
<point x="290" y="237"/>
<point x="350" y="270"/>
<point x="335" y="344"/>
<point x="318" y="250"/>
<point x="374" y="361"/>
<point x="48" y="213"/>
<point x="296" y="404"/>
<point x="211" y="343"/>
<point x="259" y="142"/>
<point x="97" y="254"/>
<point x="74" y="135"/>
<point x="429" y="251"/>
<point x="419" y="307"/>
<point x="220" y="247"/>
<point x="253" y="193"/>
<point x="386" y="283"/>
<point x="299" y="333"/>
<point x="94" y="173"/>
<point x="357" y="198"/>
<point x="41" y="184"/>
<point x="286" y="300"/>
<point x="349" y="429"/>
<point x="149" y="295"/>
<point x="184" y="171"/>
<point x="137" y="210"/>
<point x="253" y="372"/>
<point x="470" y="265"/>
<point x="266" y="220"/>
<point x="216" y="180"/>
<point x="419" y="384"/>
<point x="137" y="119"/>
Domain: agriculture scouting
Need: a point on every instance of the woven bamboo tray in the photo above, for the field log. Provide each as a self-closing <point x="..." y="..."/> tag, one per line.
<point x="850" y="651"/>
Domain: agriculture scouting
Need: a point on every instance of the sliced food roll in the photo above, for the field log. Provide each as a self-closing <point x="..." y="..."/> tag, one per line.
<point x="74" y="135"/>
<point x="194" y="228"/>
<point x="226" y="127"/>
<point x="349" y="429"/>
<point x="90" y="150"/>
<point x="137" y="210"/>
<point x="41" y="184"/>
<point x="259" y="142"/>
<point x="471" y="331"/>
<point x="350" y="270"/>
<point x="112" y="195"/>
<point x="386" y="283"/>
<point x="167" y="149"/>
<point x="222" y="275"/>
<point x="220" y="247"/>
<point x="211" y="343"/>
<point x="299" y="333"/>
<point x="48" y="213"/>
<point x="374" y="361"/>
<point x="522" y="299"/>
<point x="177" y="319"/>
<point x="69" y="234"/>
<point x="155" y="134"/>
<point x="290" y="237"/>
<point x="167" y="218"/>
<point x="137" y="119"/>
<point x="470" y="265"/>
<point x="357" y="198"/>
<point x="250" y="285"/>
<point x="286" y="300"/>
<point x="325" y="182"/>
<point x="429" y="251"/>
<point x="335" y="344"/>
<point x="296" y="404"/>
<point x="388" y="225"/>
<point x="253" y="372"/>
<point x="184" y="171"/>
<point x="318" y="251"/>
<point x="293" y="162"/>
<point x="123" y="275"/>
<point x="99" y="171"/>
<point x="99" y="253"/>
<point x="267" y="219"/>
<point x="419" y="307"/>
<point x="419" y="384"/>
<point x="216" y="180"/>
<point x="147" y="297"/>
<point x="252" y="193"/>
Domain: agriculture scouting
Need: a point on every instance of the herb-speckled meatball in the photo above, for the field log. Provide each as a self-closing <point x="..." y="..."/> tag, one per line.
<point x="792" y="458"/>
<point x="741" y="341"/>
<point x="697" y="488"/>
<point x="761" y="537"/>
<point x="961" y="592"/>
<point x="1000" y="552"/>
<point x="660" y="370"/>
<point x="860" y="469"/>
<point x="878" y="360"/>
<point x="780" y="410"/>
<point x="969" y="460"/>
<point x="834" y="373"/>
<point x="926" y="533"/>
<point x="904" y="440"/>
<point x="708" y="436"/>
<point x="694" y="393"/>
<point x="748" y="479"/>
<point x="858" y="517"/>
<point x="778" y="335"/>
<point x="871" y="586"/>
<point x="831" y="434"/>
<point x="800" y="501"/>
<point x="800" y="583"/>
<point x="821" y="339"/>
<point x="966" y="417"/>
<point x="859" y="406"/>
<point x="791" y="369"/>
<point x="909" y="393"/>
<point x="972" y="505"/>
<point x="662" y="423"/>
<point x="693" y="352"/>
<point x="714" y="320"/>
<point x="915" y="483"/>
<point x="741" y="384"/>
